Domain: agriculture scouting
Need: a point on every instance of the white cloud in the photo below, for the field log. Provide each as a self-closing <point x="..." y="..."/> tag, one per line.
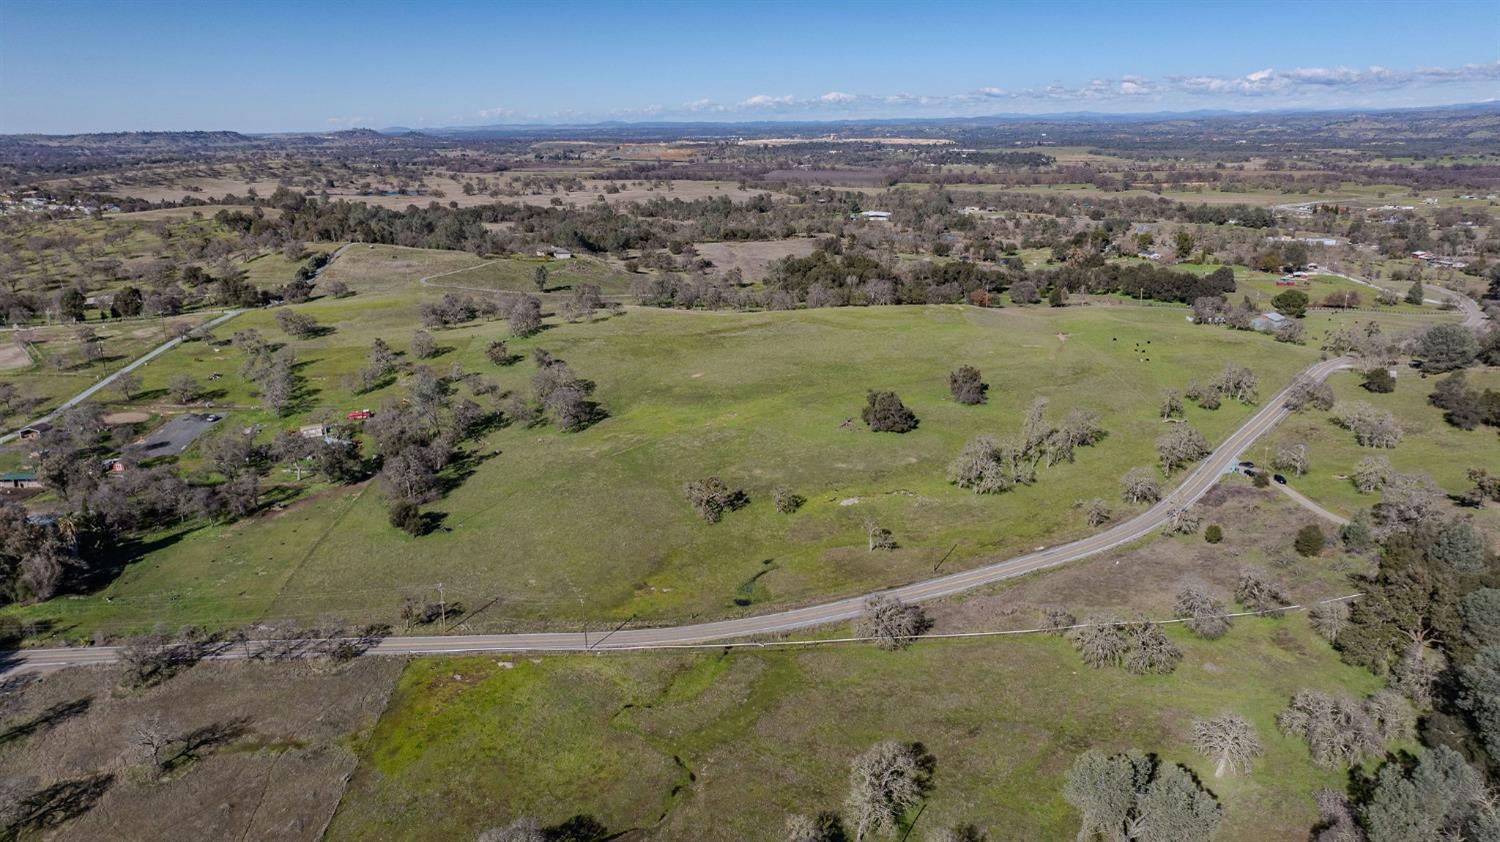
<point x="1300" y="85"/>
<point x="765" y="101"/>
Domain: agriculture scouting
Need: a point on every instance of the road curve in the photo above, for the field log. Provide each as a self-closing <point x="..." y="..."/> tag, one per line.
<point x="1202" y="478"/>
<point x="1473" y="315"/>
<point x="132" y="366"/>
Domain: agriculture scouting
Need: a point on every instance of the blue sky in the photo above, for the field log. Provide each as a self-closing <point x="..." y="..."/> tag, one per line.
<point x="70" y="65"/>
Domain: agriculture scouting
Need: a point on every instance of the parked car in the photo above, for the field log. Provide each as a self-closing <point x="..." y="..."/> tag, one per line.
<point x="1279" y="478"/>
<point x="1247" y="464"/>
<point x="359" y="414"/>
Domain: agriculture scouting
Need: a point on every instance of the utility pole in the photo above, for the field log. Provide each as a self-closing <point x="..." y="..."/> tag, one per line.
<point x="442" y="608"/>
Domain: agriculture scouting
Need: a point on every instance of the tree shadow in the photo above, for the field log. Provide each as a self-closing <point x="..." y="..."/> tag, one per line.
<point x="201" y="742"/>
<point x="56" y="805"/>
<point x="46" y="720"/>
<point x="464" y="465"/>
<point x="580" y="828"/>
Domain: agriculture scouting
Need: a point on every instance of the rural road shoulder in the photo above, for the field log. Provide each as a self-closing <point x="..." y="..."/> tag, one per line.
<point x="1198" y="482"/>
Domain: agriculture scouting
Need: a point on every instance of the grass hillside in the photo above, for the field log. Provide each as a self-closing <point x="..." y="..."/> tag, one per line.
<point x="562" y="527"/>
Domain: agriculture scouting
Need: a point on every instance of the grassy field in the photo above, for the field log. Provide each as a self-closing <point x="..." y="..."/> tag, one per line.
<point x="672" y="745"/>
<point x="755" y="257"/>
<point x="43" y="385"/>
<point x="518" y="274"/>
<point x="558" y="528"/>
<point x="1430" y="445"/>
<point x="663" y="745"/>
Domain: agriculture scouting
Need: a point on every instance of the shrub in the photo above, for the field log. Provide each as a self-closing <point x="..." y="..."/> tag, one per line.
<point x="1309" y="540"/>
<point x="885" y="413"/>
<point x="967" y="386"/>
<point x="407" y="517"/>
<point x="1213" y="534"/>
<point x="1379" y="380"/>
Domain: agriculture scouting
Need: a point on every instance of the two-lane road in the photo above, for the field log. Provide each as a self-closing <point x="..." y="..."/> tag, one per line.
<point x="1202" y="478"/>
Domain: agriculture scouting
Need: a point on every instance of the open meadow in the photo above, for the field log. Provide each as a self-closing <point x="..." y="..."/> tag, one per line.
<point x="554" y="528"/>
<point x="664" y="745"/>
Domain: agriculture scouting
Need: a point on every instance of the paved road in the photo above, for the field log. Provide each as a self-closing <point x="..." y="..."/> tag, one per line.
<point x="174" y="436"/>
<point x="137" y="363"/>
<point x="1202" y="478"/>
<point x="1473" y="316"/>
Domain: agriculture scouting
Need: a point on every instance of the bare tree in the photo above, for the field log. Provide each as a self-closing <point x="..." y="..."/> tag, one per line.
<point x="1416" y="674"/>
<point x="1182" y="521"/>
<point x="127" y="384"/>
<point x="1329" y="619"/>
<point x="1372" y="427"/>
<point x="1151" y="651"/>
<point x="1337" y="728"/>
<point x="1057" y="620"/>
<point x="526" y="316"/>
<point x="1182" y="445"/>
<point x="1229" y="741"/>
<point x="1372" y="473"/>
<point x="1100" y="640"/>
<point x="711" y="498"/>
<point x="1171" y="404"/>
<point x="422" y="345"/>
<point x="1308" y="393"/>
<point x="1408" y="500"/>
<point x="884" y="783"/>
<point x="1257" y="592"/>
<point x="1336" y="818"/>
<point x="892" y="623"/>
<point x="1205" y="615"/>
<point x="183" y="388"/>
<point x="1237" y="382"/>
<point x="878" y="537"/>
<point x="1291" y="458"/>
<point x="1096" y="512"/>
<point x="786" y="500"/>
<point x="1139" y="485"/>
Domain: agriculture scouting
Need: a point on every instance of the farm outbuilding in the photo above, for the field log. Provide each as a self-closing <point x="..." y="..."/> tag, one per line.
<point x="35" y="431"/>
<point x="1269" y="322"/>
<point x="19" y="479"/>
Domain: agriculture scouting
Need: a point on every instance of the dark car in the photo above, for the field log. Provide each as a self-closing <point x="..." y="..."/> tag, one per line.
<point x="1247" y="464"/>
<point x="1279" y="478"/>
